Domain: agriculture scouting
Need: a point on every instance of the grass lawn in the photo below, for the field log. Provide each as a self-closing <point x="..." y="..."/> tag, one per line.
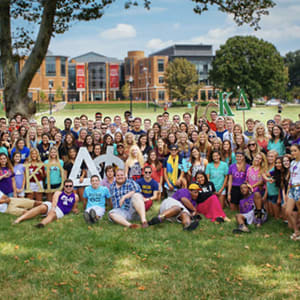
<point x="71" y="260"/>
<point x="263" y="113"/>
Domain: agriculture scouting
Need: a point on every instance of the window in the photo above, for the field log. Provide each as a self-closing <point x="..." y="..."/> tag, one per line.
<point x="161" y="79"/>
<point x="160" y="65"/>
<point x="161" y="95"/>
<point x="50" y="66"/>
<point x="63" y="83"/>
<point x="62" y="66"/>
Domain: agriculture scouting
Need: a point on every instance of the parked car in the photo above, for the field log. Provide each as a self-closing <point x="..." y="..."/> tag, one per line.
<point x="272" y="102"/>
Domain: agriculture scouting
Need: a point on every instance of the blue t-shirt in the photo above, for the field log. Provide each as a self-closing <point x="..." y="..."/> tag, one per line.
<point x="217" y="176"/>
<point x="24" y="153"/>
<point x="273" y="190"/>
<point x="96" y="197"/>
<point x="279" y="147"/>
<point x="148" y="187"/>
<point x="55" y="176"/>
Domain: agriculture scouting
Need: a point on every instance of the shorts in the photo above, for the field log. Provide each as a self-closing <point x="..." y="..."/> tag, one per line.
<point x="18" y="206"/>
<point x="58" y="211"/>
<point x="100" y="211"/>
<point x="128" y="214"/>
<point x="148" y="204"/>
<point x="169" y="203"/>
<point x="22" y="194"/>
<point x="273" y="199"/>
<point x="34" y="187"/>
<point x="55" y="186"/>
<point x="236" y="195"/>
<point x="223" y="192"/>
<point x="294" y="193"/>
<point x="3" y="207"/>
<point x="249" y="216"/>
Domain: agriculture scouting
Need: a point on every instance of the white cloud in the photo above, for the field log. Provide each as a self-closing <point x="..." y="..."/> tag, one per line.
<point x="156" y="44"/>
<point x="121" y="31"/>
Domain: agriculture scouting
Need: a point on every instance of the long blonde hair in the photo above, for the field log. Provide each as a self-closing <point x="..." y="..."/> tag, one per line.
<point x="131" y="160"/>
<point x="38" y="158"/>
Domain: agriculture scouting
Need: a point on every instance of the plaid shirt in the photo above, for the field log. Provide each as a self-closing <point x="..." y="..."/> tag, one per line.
<point x="117" y="193"/>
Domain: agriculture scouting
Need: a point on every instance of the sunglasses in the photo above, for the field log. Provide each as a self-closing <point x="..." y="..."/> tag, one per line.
<point x="103" y="127"/>
<point x="176" y="119"/>
<point x="252" y="145"/>
<point x="148" y="172"/>
<point x="211" y="136"/>
<point x="68" y="186"/>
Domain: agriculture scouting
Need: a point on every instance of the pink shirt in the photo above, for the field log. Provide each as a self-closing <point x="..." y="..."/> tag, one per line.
<point x="254" y="177"/>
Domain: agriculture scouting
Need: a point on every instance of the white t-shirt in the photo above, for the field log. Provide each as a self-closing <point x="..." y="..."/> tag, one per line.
<point x="3" y="206"/>
<point x="295" y="173"/>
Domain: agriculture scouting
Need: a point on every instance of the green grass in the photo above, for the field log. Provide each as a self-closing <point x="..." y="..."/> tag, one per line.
<point x="261" y="112"/>
<point x="69" y="260"/>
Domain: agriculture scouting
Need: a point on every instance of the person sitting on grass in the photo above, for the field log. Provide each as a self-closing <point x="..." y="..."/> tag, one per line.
<point x="95" y="197"/>
<point x="63" y="203"/>
<point x="180" y="208"/>
<point x="16" y="206"/>
<point x="248" y="214"/>
<point x="127" y="201"/>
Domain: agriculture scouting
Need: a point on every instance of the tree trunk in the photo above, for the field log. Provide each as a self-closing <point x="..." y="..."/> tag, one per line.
<point x="16" y="88"/>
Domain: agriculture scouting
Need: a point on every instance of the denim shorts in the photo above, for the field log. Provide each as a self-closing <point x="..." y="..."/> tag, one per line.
<point x="294" y="193"/>
<point x="272" y="199"/>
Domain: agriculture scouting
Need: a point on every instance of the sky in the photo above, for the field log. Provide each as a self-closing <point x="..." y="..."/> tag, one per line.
<point x="171" y="22"/>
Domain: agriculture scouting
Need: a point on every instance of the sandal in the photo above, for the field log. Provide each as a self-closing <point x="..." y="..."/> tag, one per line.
<point x="295" y="236"/>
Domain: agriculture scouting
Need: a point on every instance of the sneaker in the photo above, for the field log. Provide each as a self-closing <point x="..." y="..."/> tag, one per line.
<point x="93" y="216"/>
<point x="87" y="217"/>
<point x="220" y="220"/>
<point x="39" y="225"/>
<point x="154" y="221"/>
<point x="192" y="226"/>
<point x="244" y="228"/>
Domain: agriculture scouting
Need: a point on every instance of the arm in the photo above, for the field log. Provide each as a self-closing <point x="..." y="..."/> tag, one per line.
<point x="188" y="204"/>
<point x="126" y="169"/>
<point x="13" y="180"/>
<point x="196" y="113"/>
<point x="224" y="185"/>
<point x="75" y="209"/>
<point x="83" y="175"/>
<point x="55" y="200"/>
<point x="153" y="198"/>
<point x="4" y="199"/>
<point x="126" y="196"/>
<point x="229" y="187"/>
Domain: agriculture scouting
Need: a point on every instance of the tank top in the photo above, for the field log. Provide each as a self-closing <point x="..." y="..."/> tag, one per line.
<point x="198" y="168"/>
<point x="66" y="202"/>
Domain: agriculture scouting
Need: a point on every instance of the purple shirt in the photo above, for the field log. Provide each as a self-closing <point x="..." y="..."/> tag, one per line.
<point x="19" y="171"/>
<point x="237" y="177"/>
<point x="66" y="202"/>
<point x="183" y="193"/>
<point x="247" y="204"/>
<point x="6" y="186"/>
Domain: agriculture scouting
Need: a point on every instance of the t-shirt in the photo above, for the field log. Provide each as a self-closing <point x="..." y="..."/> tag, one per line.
<point x="238" y="177"/>
<point x="295" y="172"/>
<point x="105" y="182"/>
<point x="279" y="147"/>
<point x="183" y="193"/>
<point x="19" y="171"/>
<point x="39" y="174"/>
<point x="220" y="134"/>
<point x="247" y="204"/>
<point x="148" y="187"/>
<point x="24" y="153"/>
<point x="249" y="134"/>
<point x="272" y="188"/>
<point x="66" y="202"/>
<point x="217" y="175"/>
<point x="253" y="177"/>
<point x="6" y="186"/>
<point x="44" y="153"/>
<point x="3" y="150"/>
<point x="55" y="173"/>
<point x="205" y="191"/>
<point x="96" y="197"/>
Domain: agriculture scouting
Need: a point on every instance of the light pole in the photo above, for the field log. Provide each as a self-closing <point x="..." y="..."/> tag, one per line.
<point x="50" y="97"/>
<point x="130" y="83"/>
<point x="155" y="87"/>
<point x="146" y="74"/>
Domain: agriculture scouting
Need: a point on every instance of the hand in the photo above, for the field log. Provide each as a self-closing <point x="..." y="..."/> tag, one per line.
<point x="81" y="179"/>
<point x="193" y="213"/>
<point x="7" y="175"/>
<point x="122" y="200"/>
<point x="15" y="195"/>
<point x="229" y="198"/>
<point x="76" y="211"/>
<point x="171" y="188"/>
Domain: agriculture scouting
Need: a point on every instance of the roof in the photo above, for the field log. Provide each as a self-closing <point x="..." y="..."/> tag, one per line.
<point x="186" y="50"/>
<point x="95" y="57"/>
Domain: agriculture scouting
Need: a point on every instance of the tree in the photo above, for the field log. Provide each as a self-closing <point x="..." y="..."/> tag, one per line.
<point x="292" y="61"/>
<point x="180" y="79"/>
<point x="126" y="90"/>
<point x="56" y="16"/>
<point x="252" y="64"/>
<point x="59" y="93"/>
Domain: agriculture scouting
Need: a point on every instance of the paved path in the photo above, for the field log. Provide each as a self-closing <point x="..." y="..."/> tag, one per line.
<point x="55" y="108"/>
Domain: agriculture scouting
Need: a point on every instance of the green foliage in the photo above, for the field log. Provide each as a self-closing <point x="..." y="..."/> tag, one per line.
<point x="251" y="63"/>
<point x="126" y="90"/>
<point x="292" y="61"/>
<point x="181" y="79"/>
<point x="295" y="92"/>
<point x="42" y="95"/>
<point x="59" y="93"/>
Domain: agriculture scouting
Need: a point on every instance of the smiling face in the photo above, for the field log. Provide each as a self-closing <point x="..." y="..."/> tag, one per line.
<point x="295" y="152"/>
<point x="200" y="178"/>
<point x="278" y="164"/>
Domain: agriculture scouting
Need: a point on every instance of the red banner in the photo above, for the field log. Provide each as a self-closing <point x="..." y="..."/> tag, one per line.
<point x="114" y="76"/>
<point x="80" y="77"/>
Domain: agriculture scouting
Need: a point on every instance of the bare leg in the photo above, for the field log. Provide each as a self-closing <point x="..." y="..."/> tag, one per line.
<point x="222" y="201"/>
<point x="240" y="219"/>
<point x="30" y="196"/>
<point x="49" y="196"/>
<point x="80" y="194"/>
<point x="39" y="210"/>
<point x="258" y="200"/>
<point x="50" y="217"/>
<point x="119" y="219"/>
<point x="291" y="216"/>
<point x="276" y="210"/>
<point x="234" y="207"/>
<point x="139" y="205"/>
<point x="186" y="220"/>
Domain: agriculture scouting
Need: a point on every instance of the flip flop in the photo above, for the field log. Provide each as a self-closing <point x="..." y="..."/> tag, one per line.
<point x="237" y="231"/>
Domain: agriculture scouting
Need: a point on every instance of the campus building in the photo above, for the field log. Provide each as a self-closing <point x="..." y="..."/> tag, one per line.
<point x="199" y="55"/>
<point x="94" y="77"/>
<point x="146" y="76"/>
<point x="49" y="82"/>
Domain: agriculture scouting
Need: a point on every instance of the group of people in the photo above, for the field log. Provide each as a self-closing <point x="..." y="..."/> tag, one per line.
<point x="194" y="166"/>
